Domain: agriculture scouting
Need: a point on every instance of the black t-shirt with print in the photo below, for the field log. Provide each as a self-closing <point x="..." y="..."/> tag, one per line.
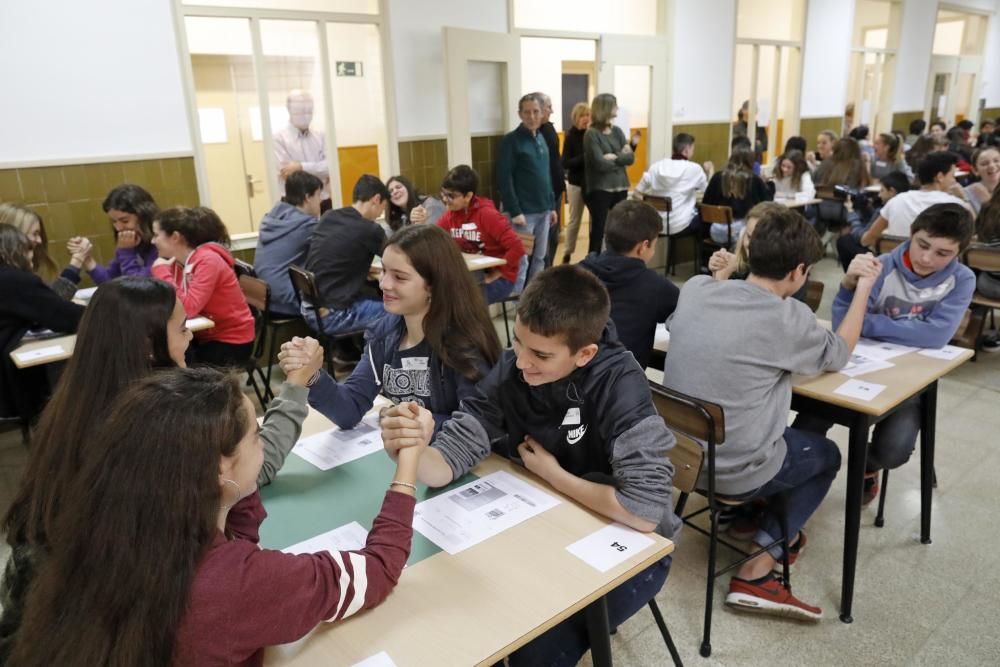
<point x="407" y="375"/>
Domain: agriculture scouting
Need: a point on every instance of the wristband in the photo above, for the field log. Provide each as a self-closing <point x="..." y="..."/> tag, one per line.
<point x="406" y="484"/>
<point x="314" y="378"/>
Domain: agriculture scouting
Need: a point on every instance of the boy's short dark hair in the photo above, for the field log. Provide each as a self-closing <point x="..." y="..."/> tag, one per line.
<point x="781" y="241"/>
<point x="965" y="124"/>
<point x="301" y="185"/>
<point x="933" y="164"/>
<point x="631" y="222"/>
<point x="939" y="123"/>
<point x="367" y="187"/>
<point x="682" y="141"/>
<point x="462" y="179"/>
<point x="795" y="144"/>
<point x="918" y="126"/>
<point x="896" y="180"/>
<point x="566" y="301"/>
<point x="947" y="221"/>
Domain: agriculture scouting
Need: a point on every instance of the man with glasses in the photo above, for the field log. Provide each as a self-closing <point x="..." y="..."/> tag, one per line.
<point x="480" y="229"/>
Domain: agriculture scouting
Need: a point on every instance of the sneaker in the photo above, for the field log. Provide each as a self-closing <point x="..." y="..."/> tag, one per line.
<point x="769" y="595"/>
<point x="793" y="553"/>
<point x="870" y="489"/>
<point x="990" y="344"/>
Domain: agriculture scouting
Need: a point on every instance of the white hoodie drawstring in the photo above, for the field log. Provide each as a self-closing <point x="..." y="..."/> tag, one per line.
<point x="371" y="362"/>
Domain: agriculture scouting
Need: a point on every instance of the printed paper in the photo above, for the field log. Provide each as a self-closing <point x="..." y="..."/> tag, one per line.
<point x="860" y="365"/>
<point x="329" y="449"/>
<point x="350" y="537"/>
<point x="609" y="546"/>
<point x="40" y="353"/>
<point x="379" y="660"/>
<point x="876" y="349"/>
<point x="948" y="352"/>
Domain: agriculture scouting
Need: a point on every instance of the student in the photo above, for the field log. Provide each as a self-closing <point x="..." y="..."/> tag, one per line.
<point x="793" y="144"/>
<point x="792" y="178"/>
<point x="131" y="211"/>
<point x="824" y="150"/>
<point x="640" y="297"/>
<point x="165" y="525"/>
<point x="923" y="147"/>
<point x="407" y="206"/>
<point x="860" y="134"/>
<point x="572" y="162"/>
<point x="681" y="180"/>
<point x="919" y="299"/>
<point x="937" y="181"/>
<point x="938" y="129"/>
<point x="26" y="303"/>
<point x="30" y="224"/>
<point x="606" y="154"/>
<point x="572" y="405"/>
<point x="849" y="244"/>
<point x="986" y="165"/>
<point x="194" y="260"/>
<point x="341" y="251"/>
<point x="735" y="186"/>
<point x="284" y="238"/>
<point x="479" y="229"/>
<point x="752" y="381"/>
<point x="109" y="357"/>
<point x="888" y="157"/>
<point x="844" y="167"/>
<point x="988" y="283"/>
<point x="917" y="128"/>
<point x="435" y="343"/>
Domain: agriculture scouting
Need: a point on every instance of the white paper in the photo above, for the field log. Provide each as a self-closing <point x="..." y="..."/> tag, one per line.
<point x="860" y="365"/>
<point x="876" y="349"/>
<point x="212" y="122"/>
<point x="661" y="338"/>
<point x="466" y="516"/>
<point x="864" y="391"/>
<point x="329" y="449"/>
<point x="85" y="294"/>
<point x="609" y="546"/>
<point x="482" y="260"/>
<point x="948" y="352"/>
<point x="40" y="353"/>
<point x="379" y="660"/>
<point x="349" y="537"/>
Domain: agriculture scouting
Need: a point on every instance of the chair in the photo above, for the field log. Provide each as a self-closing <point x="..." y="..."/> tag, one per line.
<point x="886" y="244"/>
<point x="715" y="215"/>
<point x="665" y="205"/>
<point x="700" y="427"/>
<point x="814" y="294"/>
<point x="528" y="241"/>
<point x="831" y="213"/>
<point x="307" y="292"/>
<point x="258" y="296"/>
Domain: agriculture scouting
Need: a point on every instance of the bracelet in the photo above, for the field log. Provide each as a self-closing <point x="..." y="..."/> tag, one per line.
<point x="313" y="379"/>
<point x="406" y="484"/>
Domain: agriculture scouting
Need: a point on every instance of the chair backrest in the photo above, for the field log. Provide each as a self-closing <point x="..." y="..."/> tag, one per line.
<point x="304" y="283"/>
<point x="243" y="268"/>
<point x="256" y="291"/>
<point x="692" y="421"/>
<point x="716" y="215"/>
<point x="661" y="204"/>
<point x="814" y="294"/>
<point x="983" y="258"/>
<point x="825" y="192"/>
<point x="886" y="244"/>
<point x="528" y="241"/>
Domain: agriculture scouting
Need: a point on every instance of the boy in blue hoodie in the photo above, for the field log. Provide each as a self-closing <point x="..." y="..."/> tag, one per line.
<point x="284" y="239"/>
<point x="918" y="300"/>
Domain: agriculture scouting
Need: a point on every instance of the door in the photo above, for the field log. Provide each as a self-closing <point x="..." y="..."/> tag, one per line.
<point x="575" y="88"/>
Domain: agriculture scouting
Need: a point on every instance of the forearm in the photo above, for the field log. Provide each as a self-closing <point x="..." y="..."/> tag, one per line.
<point x="433" y="470"/>
<point x="600" y="498"/>
<point x="850" y="326"/>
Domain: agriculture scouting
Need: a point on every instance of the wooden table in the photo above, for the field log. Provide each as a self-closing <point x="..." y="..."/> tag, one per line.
<point x="477" y="606"/>
<point x="911" y="375"/>
<point x="472" y="262"/>
<point x="796" y="203"/>
<point x="60" y="348"/>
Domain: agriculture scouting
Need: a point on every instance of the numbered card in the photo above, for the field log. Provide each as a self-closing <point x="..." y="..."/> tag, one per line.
<point x="864" y="391"/>
<point x="610" y="546"/>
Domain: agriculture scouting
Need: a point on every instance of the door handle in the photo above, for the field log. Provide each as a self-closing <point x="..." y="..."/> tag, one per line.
<point x="249" y="185"/>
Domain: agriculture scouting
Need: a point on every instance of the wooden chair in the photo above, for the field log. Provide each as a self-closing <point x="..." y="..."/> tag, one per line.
<point x="528" y="241"/>
<point x="700" y="427"/>
<point x="307" y="292"/>
<point x="258" y="296"/>
<point x="814" y="294"/>
<point x="715" y="215"/>
<point x="886" y="244"/>
<point x="665" y="205"/>
<point x="831" y="213"/>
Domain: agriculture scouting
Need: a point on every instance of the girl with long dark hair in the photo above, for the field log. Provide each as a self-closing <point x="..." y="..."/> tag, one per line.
<point x="158" y="562"/>
<point x="737" y="187"/>
<point x="435" y="343"/>
<point x="407" y="206"/>
<point x="845" y="166"/>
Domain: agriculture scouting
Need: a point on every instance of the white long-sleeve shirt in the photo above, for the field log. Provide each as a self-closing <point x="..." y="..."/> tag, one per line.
<point x="681" y="180"/>
<point x="308" y="148"/>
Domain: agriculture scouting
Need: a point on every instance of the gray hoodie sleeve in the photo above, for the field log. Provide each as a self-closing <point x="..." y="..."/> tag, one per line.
<point x="281" y="428"/>
<point x="643" y="473"/>
<point x="463" y="443"/>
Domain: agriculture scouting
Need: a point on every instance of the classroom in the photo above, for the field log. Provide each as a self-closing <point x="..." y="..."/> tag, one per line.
<point x="424" y="332"/>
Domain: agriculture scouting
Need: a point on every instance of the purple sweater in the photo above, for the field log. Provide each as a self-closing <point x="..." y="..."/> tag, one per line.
<point x="126" y="262"/>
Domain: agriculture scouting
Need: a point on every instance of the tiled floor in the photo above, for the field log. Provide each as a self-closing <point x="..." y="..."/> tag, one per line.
<point x="915" y="604"/>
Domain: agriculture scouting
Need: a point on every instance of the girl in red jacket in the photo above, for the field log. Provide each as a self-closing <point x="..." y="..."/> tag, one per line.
<point x="194" y="261"/>
<point x="158" y="562"/>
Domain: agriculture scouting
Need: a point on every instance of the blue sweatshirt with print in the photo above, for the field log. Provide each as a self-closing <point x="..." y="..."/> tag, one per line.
<point x="909" y="310"/>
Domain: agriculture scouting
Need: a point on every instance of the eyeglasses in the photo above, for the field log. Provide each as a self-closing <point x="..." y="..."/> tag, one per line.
<point x="448" y="196"/>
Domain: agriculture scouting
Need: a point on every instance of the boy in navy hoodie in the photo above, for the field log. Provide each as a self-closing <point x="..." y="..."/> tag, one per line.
<point x="573" y="406"/>
<point x="284" y="238"/>
<point x="918" y="300"/>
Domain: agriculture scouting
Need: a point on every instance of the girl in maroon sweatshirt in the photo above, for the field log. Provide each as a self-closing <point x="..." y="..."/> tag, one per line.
<point x="157" y="561"/>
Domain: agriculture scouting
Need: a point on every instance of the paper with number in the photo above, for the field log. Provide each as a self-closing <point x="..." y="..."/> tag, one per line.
<point x="948" y="352"/>
<point x="477" y="511"/>
<point x="349" y="537"/>
<point x="609" y="546"/>
<point x="40" y="353"/>
<point x="876" y="349"/>
<point x="84" y="294"/>
<point x="379" y="660"/>
<point x="864" y="391"/>
<point x="329" y="449"/>
<point x="859" y="364"/>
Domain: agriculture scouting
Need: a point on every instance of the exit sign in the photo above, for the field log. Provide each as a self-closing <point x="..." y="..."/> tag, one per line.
<point x="350" y="68"/>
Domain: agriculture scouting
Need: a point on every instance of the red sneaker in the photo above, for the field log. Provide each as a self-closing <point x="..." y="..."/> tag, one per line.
<point x="870" y="489"/>
<point x="770" y="596"/>
<point x="793" y="553"/>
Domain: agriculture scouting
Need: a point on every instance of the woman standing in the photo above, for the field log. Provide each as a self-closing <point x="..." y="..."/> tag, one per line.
<point x="572" y="161"/>
<point x="606" y="153"/>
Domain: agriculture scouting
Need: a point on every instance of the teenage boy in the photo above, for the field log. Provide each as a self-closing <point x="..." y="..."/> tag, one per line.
<point x="572" y="405"/>
<point x="737" y="343"/>
<point x="919" y="300"/>
<point x="480" y="229"/>
<point x="284" y="238"/>
<point x="341" y="251"/>
<point x="849" y="245"/>
<point x="640" y="297"/>
<point x="681" y="180"/>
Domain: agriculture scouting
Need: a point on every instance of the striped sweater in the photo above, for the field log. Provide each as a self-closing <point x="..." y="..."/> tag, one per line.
<point x="245" y="598"/>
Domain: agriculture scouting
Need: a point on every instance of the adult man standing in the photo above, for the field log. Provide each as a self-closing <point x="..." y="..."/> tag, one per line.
<point x="548" y="132"/>
<point x="296" y="147"/>
<point x="525" y="184"/>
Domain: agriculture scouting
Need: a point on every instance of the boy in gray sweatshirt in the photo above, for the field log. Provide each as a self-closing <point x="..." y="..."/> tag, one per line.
<point x="736" y="343"/>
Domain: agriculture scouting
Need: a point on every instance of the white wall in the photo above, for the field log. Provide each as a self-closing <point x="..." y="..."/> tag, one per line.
<point x="826" y="58"/>
<point x="630" y="17"/>
<point x="418" y="67"/>
<point x="541" y="68"/>
<point x="913" y="60"/>
<point x="991" y="62"/>
<point x="89" y="80"/>
<point x="703" y="57"/>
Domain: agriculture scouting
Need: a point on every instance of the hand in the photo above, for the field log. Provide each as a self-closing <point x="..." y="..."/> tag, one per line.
<point x="164" y="261"/>
<point x="811" y="158"/>
<point x="519" y="220"/>
<point x="128" y="239"/>
<point x="491" y="275"/>
<point x="867" y="281"/>
<point x="553" y="218"/>
<point x="301" y="360"/>
<point x="79" y="249"/>
<point x="861" y="266"/>
<point x="708" y="166"/>
<point x="418" y="215"/>
<point x="289" y="168"/>
<point x="538" y="460"/>
<point x="610" y="157"/>
<point x="405" y="425"/>
<point x="721" y="259"/>
<point x="627" y="148"/>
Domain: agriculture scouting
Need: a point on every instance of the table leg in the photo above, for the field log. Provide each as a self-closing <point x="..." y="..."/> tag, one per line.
<point x="857" y="455"/>
<point x="928" y="425"/>
<point x="599" y="632"/>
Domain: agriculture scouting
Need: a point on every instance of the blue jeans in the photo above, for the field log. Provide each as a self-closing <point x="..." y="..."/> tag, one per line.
<point x="536" y="224"/>
<point x="499" y="289"/>
<point x="358" y="315"/>
<point x="811" y="463"/>
<point x="566" y="643"/>
<point x="718" y="232"/>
